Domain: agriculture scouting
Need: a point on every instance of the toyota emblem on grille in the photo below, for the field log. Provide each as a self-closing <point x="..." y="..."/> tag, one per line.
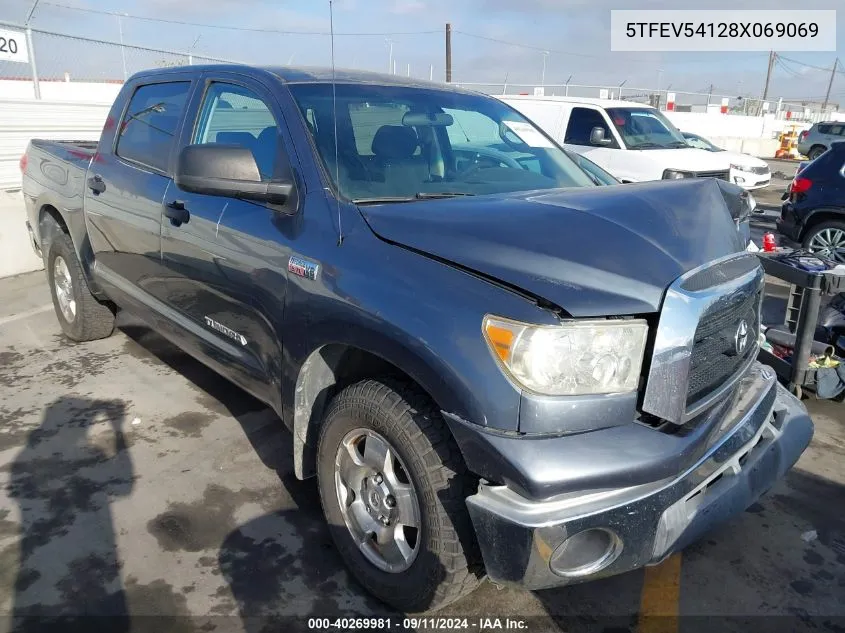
<point x="741" y="337"/>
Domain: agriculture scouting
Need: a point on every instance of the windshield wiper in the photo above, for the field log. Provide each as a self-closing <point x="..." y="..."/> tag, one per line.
<point x="422" y="195"/>
<point x="426" y="195"/>
<point x="384" y="200"/>
<point x="678" y="144"/>
<point x="647" y="145"/>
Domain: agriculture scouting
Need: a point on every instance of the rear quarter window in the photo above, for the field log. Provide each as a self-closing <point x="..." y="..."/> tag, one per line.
<point x="148" y="129"/>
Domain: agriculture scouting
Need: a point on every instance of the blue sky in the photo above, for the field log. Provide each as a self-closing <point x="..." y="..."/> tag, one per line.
<point x="576" y="31"/>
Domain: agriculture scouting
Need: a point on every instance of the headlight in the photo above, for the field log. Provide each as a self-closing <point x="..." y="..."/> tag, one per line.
<point x="676" y="174"/>
<point x="574" y="358"/>
<point x="739" y="167"/>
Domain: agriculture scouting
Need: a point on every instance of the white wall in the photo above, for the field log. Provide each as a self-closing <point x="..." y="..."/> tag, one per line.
<point x="22" y="120"/>
<point x="710" y="125"/>
<point x="76" y="91"/>
<point x="16" y="253"/>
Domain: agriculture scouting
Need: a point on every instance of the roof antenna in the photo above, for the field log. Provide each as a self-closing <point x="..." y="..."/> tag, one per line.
<point x="334" y="117"/>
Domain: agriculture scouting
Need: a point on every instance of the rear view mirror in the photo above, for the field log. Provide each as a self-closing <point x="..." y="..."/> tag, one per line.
<point x="431" y="119"/>
<point x="597" y="137"/>
<point x="217" y="169"/>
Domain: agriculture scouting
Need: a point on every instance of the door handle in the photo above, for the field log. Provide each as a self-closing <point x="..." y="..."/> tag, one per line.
<point x="177" y="212"/>
<point x="96" y="184"/>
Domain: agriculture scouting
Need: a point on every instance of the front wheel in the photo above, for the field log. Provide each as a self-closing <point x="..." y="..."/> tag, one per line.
<point x="827" y="240"/>
<point x="393" y="487"/>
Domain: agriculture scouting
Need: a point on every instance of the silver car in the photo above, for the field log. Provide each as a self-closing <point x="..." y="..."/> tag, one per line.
<point x="816" y="141"/>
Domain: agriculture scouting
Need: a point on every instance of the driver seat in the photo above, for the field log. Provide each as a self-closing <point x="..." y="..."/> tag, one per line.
<point x="394" y="147"/>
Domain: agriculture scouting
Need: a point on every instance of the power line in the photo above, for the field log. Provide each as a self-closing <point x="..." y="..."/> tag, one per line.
<point x="782" y="66"/>
<point x="223" y="26"/>
<point x="795" y="61"/>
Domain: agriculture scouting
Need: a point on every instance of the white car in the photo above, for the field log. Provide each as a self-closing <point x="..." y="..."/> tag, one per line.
<point x="632" y="141"/>
<point x="747" y="171"/>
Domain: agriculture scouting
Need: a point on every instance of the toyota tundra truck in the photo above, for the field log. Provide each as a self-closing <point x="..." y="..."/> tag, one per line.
<point x="493" y="366"/>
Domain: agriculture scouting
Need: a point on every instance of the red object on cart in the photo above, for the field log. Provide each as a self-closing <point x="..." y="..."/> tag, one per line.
<point x="769" y="245"/>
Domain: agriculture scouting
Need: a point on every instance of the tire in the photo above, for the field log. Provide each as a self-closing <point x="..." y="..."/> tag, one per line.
<point x="832" y="233"/>
<point x="87" y="319"/>
<point x="816" y="151"/>
<point x="447" y="562"/>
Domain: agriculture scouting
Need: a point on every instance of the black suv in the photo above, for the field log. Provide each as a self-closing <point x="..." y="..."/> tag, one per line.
<point x="813" y="212"/>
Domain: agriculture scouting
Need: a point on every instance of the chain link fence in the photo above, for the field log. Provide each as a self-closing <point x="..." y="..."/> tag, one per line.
<point x="55" y="58"/>
<point x="684" y="101"/>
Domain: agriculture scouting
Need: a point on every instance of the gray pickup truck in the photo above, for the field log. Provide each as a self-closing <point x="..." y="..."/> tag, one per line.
<point x="491" y="364"/>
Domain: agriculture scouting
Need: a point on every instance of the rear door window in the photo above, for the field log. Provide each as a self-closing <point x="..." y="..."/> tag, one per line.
<point x="151" y="122"/>
<point x="236" y="115"/>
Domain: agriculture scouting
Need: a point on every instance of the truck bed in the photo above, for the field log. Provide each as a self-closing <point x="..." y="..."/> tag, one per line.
<point x="55" y="174"/>
<point x="71" y="151"/>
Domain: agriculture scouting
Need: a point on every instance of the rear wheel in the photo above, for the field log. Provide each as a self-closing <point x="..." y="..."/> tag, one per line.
<point x="393" y="487"/>
<point x="827" y="240"/>
<point x="81" y="316"/>
<point x="816" y="151"/>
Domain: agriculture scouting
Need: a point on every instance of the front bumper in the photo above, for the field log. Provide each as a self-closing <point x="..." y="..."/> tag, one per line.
<point x="750" y="181"/>
<point x="760" y="437"/>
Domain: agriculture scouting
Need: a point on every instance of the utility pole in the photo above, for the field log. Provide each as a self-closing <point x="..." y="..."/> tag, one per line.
<point x="709" y="96"/>
<point x="448" y="53"/>
<point x="772" y="58"/>
<point x="829" y="84"/>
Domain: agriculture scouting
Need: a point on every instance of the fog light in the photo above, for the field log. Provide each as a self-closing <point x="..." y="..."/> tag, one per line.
<point x="739" y="180"/>
<point x="586" y="552"/>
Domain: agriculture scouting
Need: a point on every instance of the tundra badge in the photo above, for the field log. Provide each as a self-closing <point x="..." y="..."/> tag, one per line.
<point x="214" y="325"/>
<point x="303" y="267"/>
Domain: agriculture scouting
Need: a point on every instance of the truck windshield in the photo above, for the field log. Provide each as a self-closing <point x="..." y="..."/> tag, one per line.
<point x="400" y="143"/>
<point x="646" y="128"/>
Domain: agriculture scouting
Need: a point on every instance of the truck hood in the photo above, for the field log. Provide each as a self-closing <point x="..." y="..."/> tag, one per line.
<point x="591" y="251"/>
<point x="685" y="159"/>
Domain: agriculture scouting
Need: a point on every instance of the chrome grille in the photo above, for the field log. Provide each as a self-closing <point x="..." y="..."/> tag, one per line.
<point x="721" y="175"/>
<point x="714" y="357"/>
<point x="694" y="363"/>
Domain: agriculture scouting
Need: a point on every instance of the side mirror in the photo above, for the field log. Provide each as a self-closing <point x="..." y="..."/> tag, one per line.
<point x="597" y="137"/>
<point x="217" y="169"/>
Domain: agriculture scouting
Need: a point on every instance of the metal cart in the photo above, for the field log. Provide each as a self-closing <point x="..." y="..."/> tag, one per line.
<point x="802" y="314"/>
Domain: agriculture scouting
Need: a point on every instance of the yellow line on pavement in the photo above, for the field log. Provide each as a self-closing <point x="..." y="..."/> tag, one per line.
<point x="660" y="598"/>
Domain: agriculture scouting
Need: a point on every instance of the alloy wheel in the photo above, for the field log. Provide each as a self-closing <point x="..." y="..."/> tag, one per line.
<point x="378" y="501"/>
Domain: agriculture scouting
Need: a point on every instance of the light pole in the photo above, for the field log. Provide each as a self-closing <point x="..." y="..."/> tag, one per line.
<point x="191" y="50"/>
<point x="122" y="48"/>
<point x="566" y="86"/>
<point x="543" y="76"/>
<point x="36" y="86"/>
<point x="389" y="43"/>
<point x="659" y="77"/>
